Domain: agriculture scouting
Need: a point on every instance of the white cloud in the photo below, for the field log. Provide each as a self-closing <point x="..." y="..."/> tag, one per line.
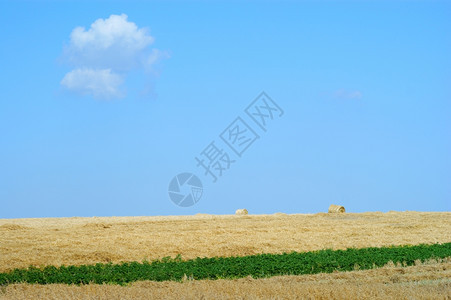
<point x="103" y="84"/>
<point x="108" y="49"/>
<point x="115" y="30"/>
<point x="154" y="57"/>
<point x="347" y="94"/>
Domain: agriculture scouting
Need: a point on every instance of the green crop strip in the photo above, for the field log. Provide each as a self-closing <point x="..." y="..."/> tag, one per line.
<point x="257" y="266"/>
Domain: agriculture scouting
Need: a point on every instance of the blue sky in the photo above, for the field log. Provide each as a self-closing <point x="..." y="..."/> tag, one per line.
<point x="98" y="122"/>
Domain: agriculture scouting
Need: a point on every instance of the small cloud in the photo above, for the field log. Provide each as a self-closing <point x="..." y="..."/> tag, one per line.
<point x="114" y="31"/>
<point x="102" y="84"/>
<point x="154" y="57"/>
<point x="347" y="94"/>
<point x="109" y="49"/>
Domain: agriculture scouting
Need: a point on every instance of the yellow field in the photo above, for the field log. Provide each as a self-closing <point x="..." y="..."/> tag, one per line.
<point x="56" y="241"/>
<point x="425" y="281"/>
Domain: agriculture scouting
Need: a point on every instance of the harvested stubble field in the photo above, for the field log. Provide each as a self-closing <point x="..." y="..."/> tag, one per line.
<point x="75" y="241"/>
<point x="431" y="280"/>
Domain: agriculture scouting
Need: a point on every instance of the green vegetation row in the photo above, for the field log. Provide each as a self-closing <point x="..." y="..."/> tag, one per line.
<point x="257" y="266"/>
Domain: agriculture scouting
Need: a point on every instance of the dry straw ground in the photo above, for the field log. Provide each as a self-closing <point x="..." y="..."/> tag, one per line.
<point x="25" y="242"/>
<point x="39" y="242"/>
<point x="426" y="281"/>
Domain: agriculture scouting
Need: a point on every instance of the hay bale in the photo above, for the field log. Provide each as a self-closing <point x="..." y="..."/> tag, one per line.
<point x="241" y="212"/>
<point x="280" y="214"/>
<point x="336" y="209"/>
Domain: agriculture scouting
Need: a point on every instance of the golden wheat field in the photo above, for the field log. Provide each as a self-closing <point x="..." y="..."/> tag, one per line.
<point x="57" y="241"/>
<point x="431" y="280"/>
